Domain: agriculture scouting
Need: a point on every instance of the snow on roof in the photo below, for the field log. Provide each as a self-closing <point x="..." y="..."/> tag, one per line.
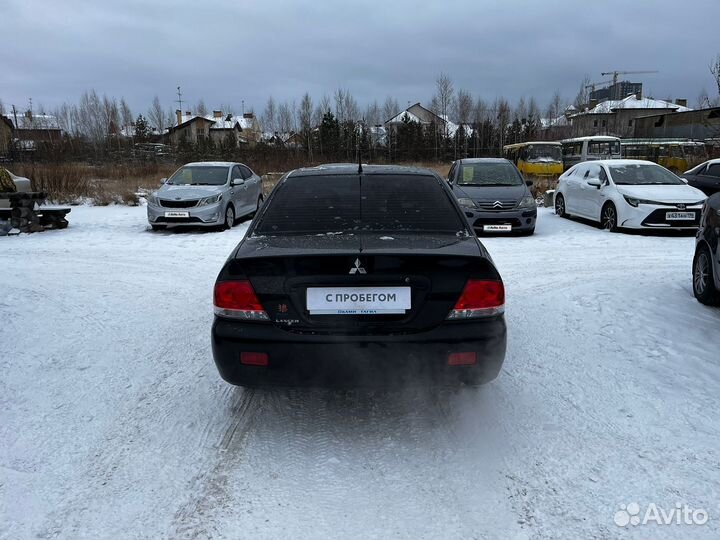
<point x="33" y="121"/>
<point x="401" y="115"/>
<point x="223" y="122"/>
<point x="560" y="121"/>
<point x="632" y="102"/>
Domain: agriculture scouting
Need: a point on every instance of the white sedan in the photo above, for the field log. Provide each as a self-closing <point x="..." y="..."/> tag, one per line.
<point x="628" y="193"/>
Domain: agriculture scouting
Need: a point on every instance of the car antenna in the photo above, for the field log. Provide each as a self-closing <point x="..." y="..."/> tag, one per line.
<point x="359" y="153"/>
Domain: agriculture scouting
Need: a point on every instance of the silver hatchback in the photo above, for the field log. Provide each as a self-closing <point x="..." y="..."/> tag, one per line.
<point x="205" y="194"/>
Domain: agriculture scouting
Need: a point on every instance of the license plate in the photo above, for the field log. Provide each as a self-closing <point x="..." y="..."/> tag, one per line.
<point x="679" y="215"/>
<point x="177" y="214"/>
<point x="497" y="228"/>
<point x="358" y="300"/>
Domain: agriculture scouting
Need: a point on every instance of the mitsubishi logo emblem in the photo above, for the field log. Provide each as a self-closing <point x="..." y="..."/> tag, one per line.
<point x="497" y="204"/>
<point x="357" y="268"/>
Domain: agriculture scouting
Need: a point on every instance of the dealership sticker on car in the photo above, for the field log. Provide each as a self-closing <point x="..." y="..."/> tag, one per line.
<point x="358" y="300"/>
<point x="497" y="228"/>
<point x="177" y="214"/>
<point x="679" y="215"/>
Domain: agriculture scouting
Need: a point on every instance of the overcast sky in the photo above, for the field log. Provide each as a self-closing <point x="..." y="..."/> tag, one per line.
<point x="229" y="51"/>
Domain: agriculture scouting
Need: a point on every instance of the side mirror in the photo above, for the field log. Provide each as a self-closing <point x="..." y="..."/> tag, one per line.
<point x="162" y="181"/>
<point x="594" y="183"/>
<point x="528" y="183"/>
<point x="237" y="182"/>
<point x="684" y="180"/>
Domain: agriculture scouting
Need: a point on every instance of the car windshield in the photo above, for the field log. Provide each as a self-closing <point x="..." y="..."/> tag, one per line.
<point x="198" y="175"/>
<point x="641" y="174"/>
<point x="544" y="152"/>
<point x="350" y="203"/>
<point x="489" y="174"/>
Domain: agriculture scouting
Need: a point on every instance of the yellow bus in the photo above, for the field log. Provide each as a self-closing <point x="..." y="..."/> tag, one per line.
<point x="678" y="155"/>
<point x="537" y="159"/>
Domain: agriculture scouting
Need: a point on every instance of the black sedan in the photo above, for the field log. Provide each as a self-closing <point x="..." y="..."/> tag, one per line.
<point x="359" y="276"/>
<point x="705" y="177"/>
<point x="706" y="263"/>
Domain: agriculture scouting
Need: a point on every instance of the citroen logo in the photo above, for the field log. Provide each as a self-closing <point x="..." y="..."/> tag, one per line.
<point x="357" y="268"/>
<point x="497" y="204"/>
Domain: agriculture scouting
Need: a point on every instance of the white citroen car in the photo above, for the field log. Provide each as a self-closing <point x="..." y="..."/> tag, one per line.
<point x="628" y="193"/>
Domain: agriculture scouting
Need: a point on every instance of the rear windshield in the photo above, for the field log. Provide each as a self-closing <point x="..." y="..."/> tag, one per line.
<point x="382" y="203"/>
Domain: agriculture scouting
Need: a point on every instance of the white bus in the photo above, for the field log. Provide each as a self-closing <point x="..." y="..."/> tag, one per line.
<point x="582" y="149"/>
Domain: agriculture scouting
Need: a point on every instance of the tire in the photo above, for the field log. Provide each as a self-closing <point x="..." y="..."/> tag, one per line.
<point x="608" y="218"/>
<point x="257" y="208"/>
<point x="560" y="206"/>
<point x="158" y="227"/>
<point x="229" y="218"/>
<point x="703" y="279"/>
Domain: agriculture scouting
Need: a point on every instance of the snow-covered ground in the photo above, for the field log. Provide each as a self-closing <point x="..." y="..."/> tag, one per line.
<point x="115" y="424"/>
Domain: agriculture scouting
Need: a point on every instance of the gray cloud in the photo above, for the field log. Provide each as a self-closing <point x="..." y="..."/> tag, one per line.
<point x="226" y="52"/>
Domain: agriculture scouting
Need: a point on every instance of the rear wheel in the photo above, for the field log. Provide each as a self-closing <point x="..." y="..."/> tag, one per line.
<point x="608" y="218"/>
<point x="560" y="205"/>
<point x="257" y="207"/>
<point x="703" y="280"/>
<point x="229" y="218"/>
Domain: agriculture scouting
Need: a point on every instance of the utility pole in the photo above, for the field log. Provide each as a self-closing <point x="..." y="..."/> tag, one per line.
<point x="243" y="107"/>
<point x="179" y="100"/>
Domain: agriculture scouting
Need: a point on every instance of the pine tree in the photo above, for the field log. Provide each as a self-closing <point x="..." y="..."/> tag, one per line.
<point x="142" y="131"/>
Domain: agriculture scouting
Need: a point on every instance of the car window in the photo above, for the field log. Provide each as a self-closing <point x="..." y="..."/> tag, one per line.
<point x="603" y="176"/>
<point x="713" y="170"/>
<point x="236" y="173"/>
<point x="349" y="203"/>
<point x="246" y="173"/>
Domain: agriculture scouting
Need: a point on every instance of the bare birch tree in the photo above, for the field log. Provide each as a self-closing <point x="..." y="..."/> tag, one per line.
<point x="156" y="115"/>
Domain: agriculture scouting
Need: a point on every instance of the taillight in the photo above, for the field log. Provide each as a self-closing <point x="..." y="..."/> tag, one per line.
<point x="237" y="300"/>
<point x="479" y="299"/>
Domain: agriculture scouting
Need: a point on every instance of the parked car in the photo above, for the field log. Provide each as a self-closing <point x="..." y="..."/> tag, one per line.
<point x="706" y="263"/>
<point x="628" y="193"/>
<point x="493" y="195"/>
<point x="348" y="278"/>
<point x="705" y="177"/>
<point x="205" y="194"/>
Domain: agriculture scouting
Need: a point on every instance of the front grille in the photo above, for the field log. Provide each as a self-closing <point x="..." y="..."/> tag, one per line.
<point x="163" y="219"/>
<point x="657" y="219"/>
<point x="478" y="224"/>
<point x="496" y="204"/>
<point x="178" y="204"/>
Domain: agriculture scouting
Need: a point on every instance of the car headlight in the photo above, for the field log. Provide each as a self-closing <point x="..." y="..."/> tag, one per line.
<point x="210" y="200"/>
<point x="151" y="198"/>
<point x="632" y="201"/>
<point x="527" y="202"/>
<point x="466" y="202"/>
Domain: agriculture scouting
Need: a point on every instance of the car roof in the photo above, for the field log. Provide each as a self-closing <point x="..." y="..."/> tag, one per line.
<point x="211" y="164"/>
<point x="484" y="160"/>
<point x="620" y="162"/>
<point x="347" y="169"/>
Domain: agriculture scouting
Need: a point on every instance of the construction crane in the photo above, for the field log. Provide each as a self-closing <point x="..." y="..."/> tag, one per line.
<point x="592" y="86"/>
<point x="616" y="73"/>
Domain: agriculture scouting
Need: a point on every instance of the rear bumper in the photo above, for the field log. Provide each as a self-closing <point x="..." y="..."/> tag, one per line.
<point x="351" y="361"/>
